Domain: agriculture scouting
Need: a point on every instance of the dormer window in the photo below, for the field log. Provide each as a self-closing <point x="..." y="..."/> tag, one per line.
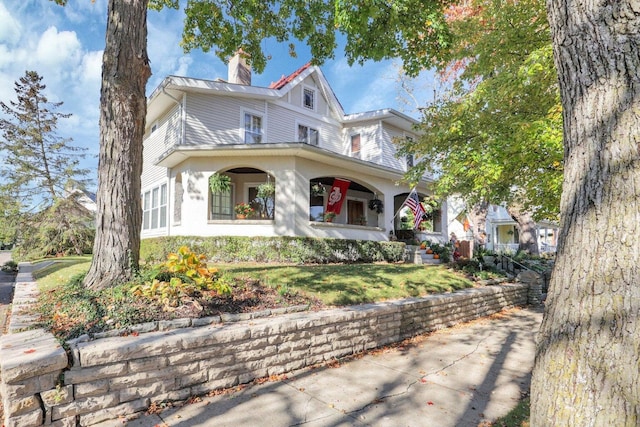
<point x="309" y="98"/>
<point x="307" y="135"/>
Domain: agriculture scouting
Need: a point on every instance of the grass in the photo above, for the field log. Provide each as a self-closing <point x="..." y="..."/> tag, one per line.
<point x="59" y="271"/>
<point x="518" y="417"/>
<point x="348" y="284"/>
<point x="68" y="310"/>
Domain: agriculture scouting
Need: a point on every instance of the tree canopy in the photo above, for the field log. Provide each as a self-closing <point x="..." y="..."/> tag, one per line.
<point x="37" y="162"/>
<point x="496" y="133"/>
<point x="413" y="30"/>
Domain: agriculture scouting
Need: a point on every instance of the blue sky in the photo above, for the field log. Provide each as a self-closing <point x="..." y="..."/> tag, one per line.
<point x="64" y="45"/>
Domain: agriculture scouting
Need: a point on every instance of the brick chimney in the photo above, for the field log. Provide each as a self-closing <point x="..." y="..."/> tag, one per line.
<point x="239" y="71"/>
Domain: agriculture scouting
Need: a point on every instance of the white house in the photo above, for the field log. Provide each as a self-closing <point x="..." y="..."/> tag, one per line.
<point x="293" y="134"/>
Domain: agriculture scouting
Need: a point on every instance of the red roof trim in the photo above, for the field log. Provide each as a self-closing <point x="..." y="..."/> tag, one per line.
<point x="284" y="80"/>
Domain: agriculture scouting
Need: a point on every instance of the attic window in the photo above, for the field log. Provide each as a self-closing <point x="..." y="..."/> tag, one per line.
<point x="309" y="98"/>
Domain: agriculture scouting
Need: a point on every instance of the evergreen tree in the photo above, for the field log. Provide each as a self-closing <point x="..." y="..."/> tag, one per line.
<point x="38" y="163"/>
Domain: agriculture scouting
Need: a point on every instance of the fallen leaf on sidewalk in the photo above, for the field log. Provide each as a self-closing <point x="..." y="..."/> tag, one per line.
<point x="430" y="403"/>
<point x="29" y="351"/>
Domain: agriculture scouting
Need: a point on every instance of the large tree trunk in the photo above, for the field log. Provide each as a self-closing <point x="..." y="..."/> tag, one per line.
<point x="478" y="216"/>
<point x="125" y="72"/>
<point x="527" y="231"/>
<point x="587" y="369"/>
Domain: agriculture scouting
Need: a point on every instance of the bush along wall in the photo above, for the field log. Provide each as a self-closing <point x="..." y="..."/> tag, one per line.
<point x="299" y="250"/>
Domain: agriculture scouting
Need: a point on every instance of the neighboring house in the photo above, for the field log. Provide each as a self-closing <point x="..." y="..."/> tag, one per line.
<point x="293" y="134"/>
<point x="500" y="228"/>
<point x="502" y="232"/>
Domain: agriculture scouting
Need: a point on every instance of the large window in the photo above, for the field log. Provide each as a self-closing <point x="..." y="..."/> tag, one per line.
<point x="307" y="135"/>
<point x="252" y="129"/>
<point x="221" y="205"/>
<point x="154" y="208"/>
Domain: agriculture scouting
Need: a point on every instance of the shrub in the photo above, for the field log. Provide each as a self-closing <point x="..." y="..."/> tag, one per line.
<point x="184" y="273"/>
<point x="299" y="250"/>
<point x="10" y="267"/>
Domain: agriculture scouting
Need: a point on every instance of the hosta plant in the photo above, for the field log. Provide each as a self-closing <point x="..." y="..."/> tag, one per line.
<point x="183" y="274"/>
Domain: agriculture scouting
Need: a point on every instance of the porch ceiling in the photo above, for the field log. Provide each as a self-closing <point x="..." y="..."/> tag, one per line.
<point x="178" y="154"/>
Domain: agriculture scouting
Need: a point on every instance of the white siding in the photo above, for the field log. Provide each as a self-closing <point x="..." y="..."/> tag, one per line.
<point x="388" y="148"/>
<point x="216" y="120"/>
<point x="166" y="135"/>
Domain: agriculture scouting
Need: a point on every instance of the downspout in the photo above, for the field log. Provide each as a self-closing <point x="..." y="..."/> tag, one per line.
<point x="169" y="171"/>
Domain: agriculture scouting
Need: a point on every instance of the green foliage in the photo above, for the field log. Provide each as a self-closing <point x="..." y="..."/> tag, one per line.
<point x="275" y="249"/>
<point x="184" y="273"/>
<point x="499" y="127"/>
<point x="413" y="30"/>
<point x="443" y="250"/>
<point x="219" y="184"/>
<point x="37" y="162"/>
<point x="472" y="268"/>
<point x="10" y="267"/>
<point x="65" y="228"/>
<point x="69" y="309"/>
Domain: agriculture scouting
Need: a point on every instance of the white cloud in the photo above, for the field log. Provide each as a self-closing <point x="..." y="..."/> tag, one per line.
<point x="10" y="28"/>
<point x="58" y="49"/>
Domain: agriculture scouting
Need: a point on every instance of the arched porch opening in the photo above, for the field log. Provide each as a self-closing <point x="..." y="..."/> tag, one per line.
<point x="250" y="195"/>
<point x="404" y="219"/>
<point x="359" y="205"/>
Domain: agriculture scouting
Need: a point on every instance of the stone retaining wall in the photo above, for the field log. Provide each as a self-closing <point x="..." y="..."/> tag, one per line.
<point x="105" y="378"/>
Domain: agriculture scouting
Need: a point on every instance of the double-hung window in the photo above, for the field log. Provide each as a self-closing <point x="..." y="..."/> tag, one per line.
<point x="154" y="208"/>
<point x="355" y="145"/>
<point x="252" y="128"/>
<point x="307" y="135"/>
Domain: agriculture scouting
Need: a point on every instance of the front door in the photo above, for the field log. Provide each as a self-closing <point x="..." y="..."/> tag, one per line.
<point x="355" y="212"/>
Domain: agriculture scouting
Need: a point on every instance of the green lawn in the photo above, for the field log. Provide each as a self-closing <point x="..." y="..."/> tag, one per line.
<point x="345" y="284"/>
<point x="69" y="310"/>
<point x="333" y="284"/>
<point x="51" y="273"/>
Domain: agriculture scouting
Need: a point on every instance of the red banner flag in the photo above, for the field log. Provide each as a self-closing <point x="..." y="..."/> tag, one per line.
<point x="336" y="195"/>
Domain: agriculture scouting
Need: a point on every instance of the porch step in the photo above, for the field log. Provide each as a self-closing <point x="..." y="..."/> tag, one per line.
<point x="415" y="255"/>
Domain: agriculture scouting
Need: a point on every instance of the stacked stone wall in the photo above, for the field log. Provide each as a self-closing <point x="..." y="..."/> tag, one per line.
<point x="102" y="379"/>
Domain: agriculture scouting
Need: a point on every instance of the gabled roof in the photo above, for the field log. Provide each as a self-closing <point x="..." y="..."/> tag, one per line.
<point x="173" y="86"/>
<point x="284" y="80"/>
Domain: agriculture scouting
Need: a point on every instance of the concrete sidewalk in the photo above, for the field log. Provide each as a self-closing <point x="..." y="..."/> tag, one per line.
<point x="456" y="377"/>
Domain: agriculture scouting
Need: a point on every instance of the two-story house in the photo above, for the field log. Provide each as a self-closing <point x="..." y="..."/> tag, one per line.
<point x="293" y="134"/>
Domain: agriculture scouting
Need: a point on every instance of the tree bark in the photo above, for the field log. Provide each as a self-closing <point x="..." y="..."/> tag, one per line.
<point x="125" y="72"/>
<point x="478" y="216"/>
<point x="586" y="370"/>
<point x="527" y="232"/>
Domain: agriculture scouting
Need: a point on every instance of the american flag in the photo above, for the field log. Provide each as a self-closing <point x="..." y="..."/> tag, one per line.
<point x="413" y="203"/>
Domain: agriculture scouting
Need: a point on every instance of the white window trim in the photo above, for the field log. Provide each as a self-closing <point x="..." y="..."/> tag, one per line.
<point x="298" y="124"/>
<point x="351" y="152"/>
<point x="315" y="98"/>
<point x="150" y="208"/>
<point x="257" y="113"/>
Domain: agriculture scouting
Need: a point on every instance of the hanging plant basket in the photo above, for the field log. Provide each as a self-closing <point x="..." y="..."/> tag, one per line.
<point x="317" y="189"/>
<point x="376" y="205"/>
<point x="219" y="184"/>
